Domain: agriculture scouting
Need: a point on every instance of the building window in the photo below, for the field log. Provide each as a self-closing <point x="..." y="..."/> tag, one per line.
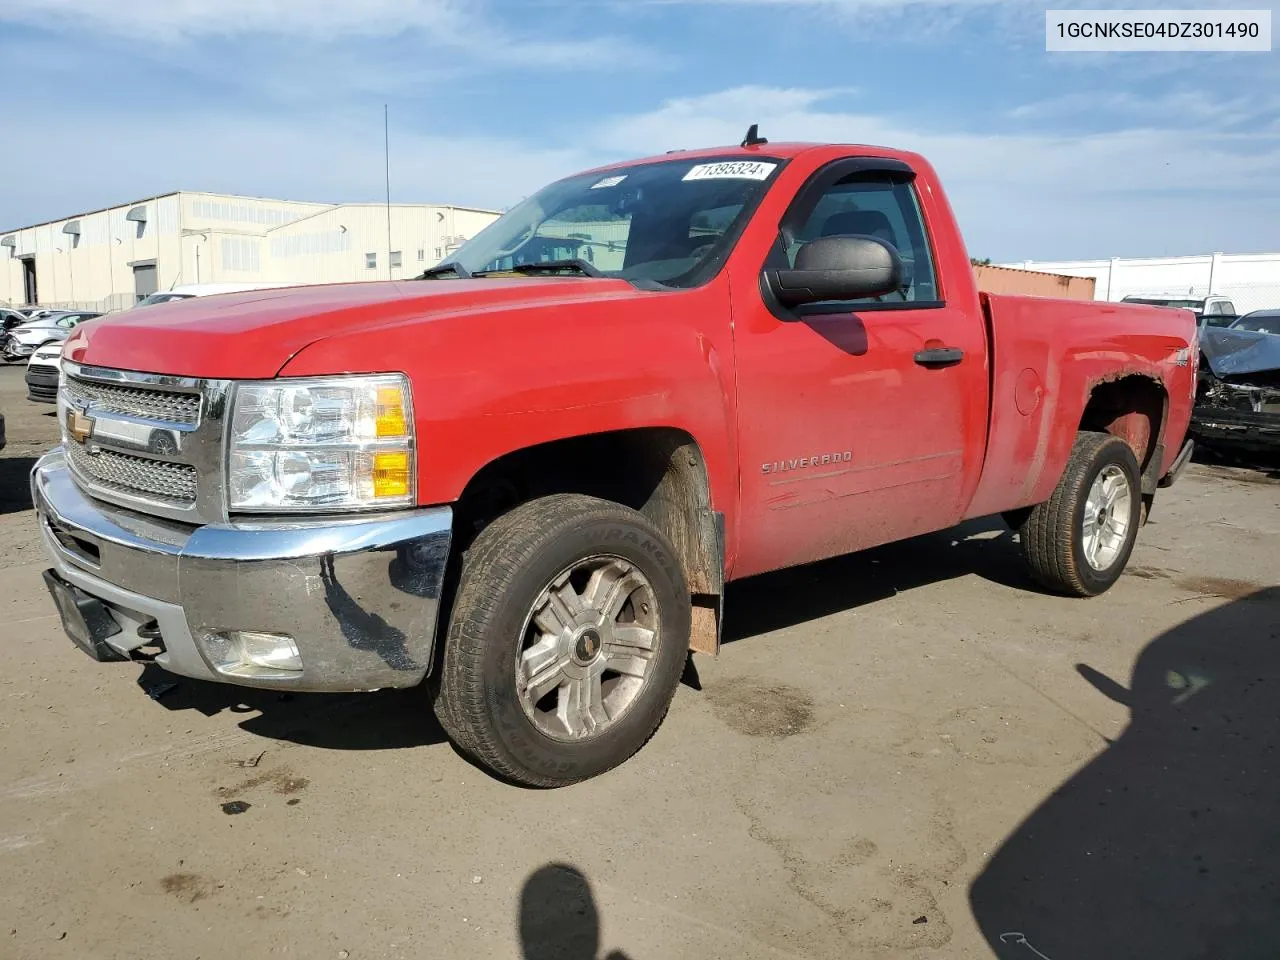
<point x="439" y="253"/>
<point x="371" y="261"/>
<point x="422" y="254"/>
<point x="395" y="259"/>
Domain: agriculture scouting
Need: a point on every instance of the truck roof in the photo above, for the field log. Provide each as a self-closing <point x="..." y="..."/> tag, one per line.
<point x="784" y="151"/>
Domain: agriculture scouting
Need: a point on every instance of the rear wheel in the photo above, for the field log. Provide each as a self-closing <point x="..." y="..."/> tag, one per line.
<point x="1079" y="541"/>
<point x="569" y="633"/>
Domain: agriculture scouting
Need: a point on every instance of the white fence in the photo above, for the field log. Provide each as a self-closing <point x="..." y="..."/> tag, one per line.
<point x="1252" y="281"/>
<point x="117" y="301"/>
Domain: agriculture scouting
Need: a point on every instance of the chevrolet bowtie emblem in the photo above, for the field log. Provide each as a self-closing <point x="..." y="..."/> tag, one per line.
<point x="79" y="425"/>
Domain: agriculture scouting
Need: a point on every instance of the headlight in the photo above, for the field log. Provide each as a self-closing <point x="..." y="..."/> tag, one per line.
<point x="338" y="443"/>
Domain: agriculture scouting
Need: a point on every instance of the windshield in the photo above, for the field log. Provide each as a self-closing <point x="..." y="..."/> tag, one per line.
<point x="1261" y="322"/>
<point x="163" y="297"/>
<point x="672" y="223"/>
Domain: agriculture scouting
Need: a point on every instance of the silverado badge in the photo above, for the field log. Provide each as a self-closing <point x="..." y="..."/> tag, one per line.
<point x="804" y="463"/>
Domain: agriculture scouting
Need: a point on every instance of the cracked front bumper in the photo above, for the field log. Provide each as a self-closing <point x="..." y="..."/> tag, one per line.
<point x="358" y="595"/>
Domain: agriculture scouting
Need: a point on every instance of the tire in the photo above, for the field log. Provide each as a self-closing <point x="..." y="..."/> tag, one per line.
<point x="504" y="609"/>
<point x="1054" y="536"/>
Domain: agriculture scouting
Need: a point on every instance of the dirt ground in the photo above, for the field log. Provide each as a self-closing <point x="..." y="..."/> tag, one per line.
<point x="907" y="753"/>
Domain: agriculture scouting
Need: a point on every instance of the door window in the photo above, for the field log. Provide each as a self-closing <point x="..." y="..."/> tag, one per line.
<point x="879" y="208"/>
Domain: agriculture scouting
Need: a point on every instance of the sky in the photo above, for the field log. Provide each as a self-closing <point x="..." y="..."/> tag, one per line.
<point x="1044" y="156"/>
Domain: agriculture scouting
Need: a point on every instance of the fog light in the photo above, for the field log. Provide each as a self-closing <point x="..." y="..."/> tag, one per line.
<point x="252" y="653"/>
<point x="275" y="651"/>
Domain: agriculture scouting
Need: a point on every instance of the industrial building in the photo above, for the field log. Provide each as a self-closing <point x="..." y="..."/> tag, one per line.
<point x="1251" y="280"/>
<point x="109" y="259"/>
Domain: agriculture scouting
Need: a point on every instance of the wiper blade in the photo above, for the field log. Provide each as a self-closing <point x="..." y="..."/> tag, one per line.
<point x="450" y="269"/>
<point x="575" y="265"/>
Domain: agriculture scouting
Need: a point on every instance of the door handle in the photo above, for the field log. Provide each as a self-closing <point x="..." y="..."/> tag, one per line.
<point x="940" y="357"/>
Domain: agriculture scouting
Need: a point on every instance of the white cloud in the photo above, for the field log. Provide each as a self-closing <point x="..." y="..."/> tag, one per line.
<point x="340" y="159"/>
<point x="1187" y="109"/>
<point x="1023" y="195"/>
<point x="1138" y="191"/>
<point x="191" y="18"/>
<point x="465" y="26"/>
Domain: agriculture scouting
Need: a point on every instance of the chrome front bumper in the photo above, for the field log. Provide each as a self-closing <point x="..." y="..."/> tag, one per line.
<point x="360" y="596"/>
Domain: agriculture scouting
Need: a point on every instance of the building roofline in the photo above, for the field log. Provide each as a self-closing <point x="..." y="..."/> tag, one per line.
<point x="244" y="196"/>
<point x="339" y="203"/>
<point x="252" y="196"/>
<point x="89" y="213"/>
<point x="377" y="205"/>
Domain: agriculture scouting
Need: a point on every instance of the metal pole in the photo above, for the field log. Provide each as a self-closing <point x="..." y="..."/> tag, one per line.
<point x="386" y="148"/>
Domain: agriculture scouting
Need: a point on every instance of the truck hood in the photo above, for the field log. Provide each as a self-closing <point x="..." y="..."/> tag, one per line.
<point x="1234" y="352"/>
<point x="253" y="335"/>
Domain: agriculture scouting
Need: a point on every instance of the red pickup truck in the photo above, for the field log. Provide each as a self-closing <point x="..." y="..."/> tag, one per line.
<point x="552" y="451"/>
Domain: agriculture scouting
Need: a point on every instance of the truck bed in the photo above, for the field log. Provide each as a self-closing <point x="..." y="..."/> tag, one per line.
<point x="1046" y="358"/>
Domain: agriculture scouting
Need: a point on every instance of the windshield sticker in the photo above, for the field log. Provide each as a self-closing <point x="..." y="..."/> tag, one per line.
<point x="609" y="182"/>
<point x="731" y="170"/>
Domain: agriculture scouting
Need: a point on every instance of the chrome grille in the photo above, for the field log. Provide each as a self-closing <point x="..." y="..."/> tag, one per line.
<point x="173" y="483"/>
<point x="164" y="405"/>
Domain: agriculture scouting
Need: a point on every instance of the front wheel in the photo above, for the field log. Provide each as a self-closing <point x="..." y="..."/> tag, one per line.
<point x="1079" y="541"/>
<point x="569" y="633"/>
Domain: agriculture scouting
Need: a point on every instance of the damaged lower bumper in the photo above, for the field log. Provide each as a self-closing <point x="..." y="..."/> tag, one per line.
<point x="1250" y="431"/>
<point x="340" y="604"/>
<point x="1246" y="416"/>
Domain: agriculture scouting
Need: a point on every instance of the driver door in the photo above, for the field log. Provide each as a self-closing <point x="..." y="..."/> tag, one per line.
<point x="850" y="434"/>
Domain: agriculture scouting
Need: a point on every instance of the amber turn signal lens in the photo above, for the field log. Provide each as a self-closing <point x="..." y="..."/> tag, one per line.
<point x="391" y="474"/>
<point x="389" y="414"/>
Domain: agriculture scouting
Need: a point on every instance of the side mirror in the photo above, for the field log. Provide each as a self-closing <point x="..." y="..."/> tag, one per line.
<point x="838" y="268"/>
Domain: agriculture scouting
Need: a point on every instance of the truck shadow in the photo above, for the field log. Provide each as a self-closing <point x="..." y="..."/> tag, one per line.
<point x="385" y="720"/>
<point x="1168" y="843"/>
<point x="402" y="718"/>
<point x="1242" y="465"/>
<point x="15" y="484"/>
<point x="772" y="601"/>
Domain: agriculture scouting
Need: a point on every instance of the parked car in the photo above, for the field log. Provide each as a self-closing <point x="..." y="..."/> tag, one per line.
<point x="42" y="372"/>
<point x="22" y="341"/>
<point x="1212" y="311"/>
<point x="1260" y="321"/>
<point x="36" y="313"/>
<point x="189" y="290"/>
<point x="526" y="481"/>
<point x="11" y="318"/>
<point x="1237" y="405"/>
